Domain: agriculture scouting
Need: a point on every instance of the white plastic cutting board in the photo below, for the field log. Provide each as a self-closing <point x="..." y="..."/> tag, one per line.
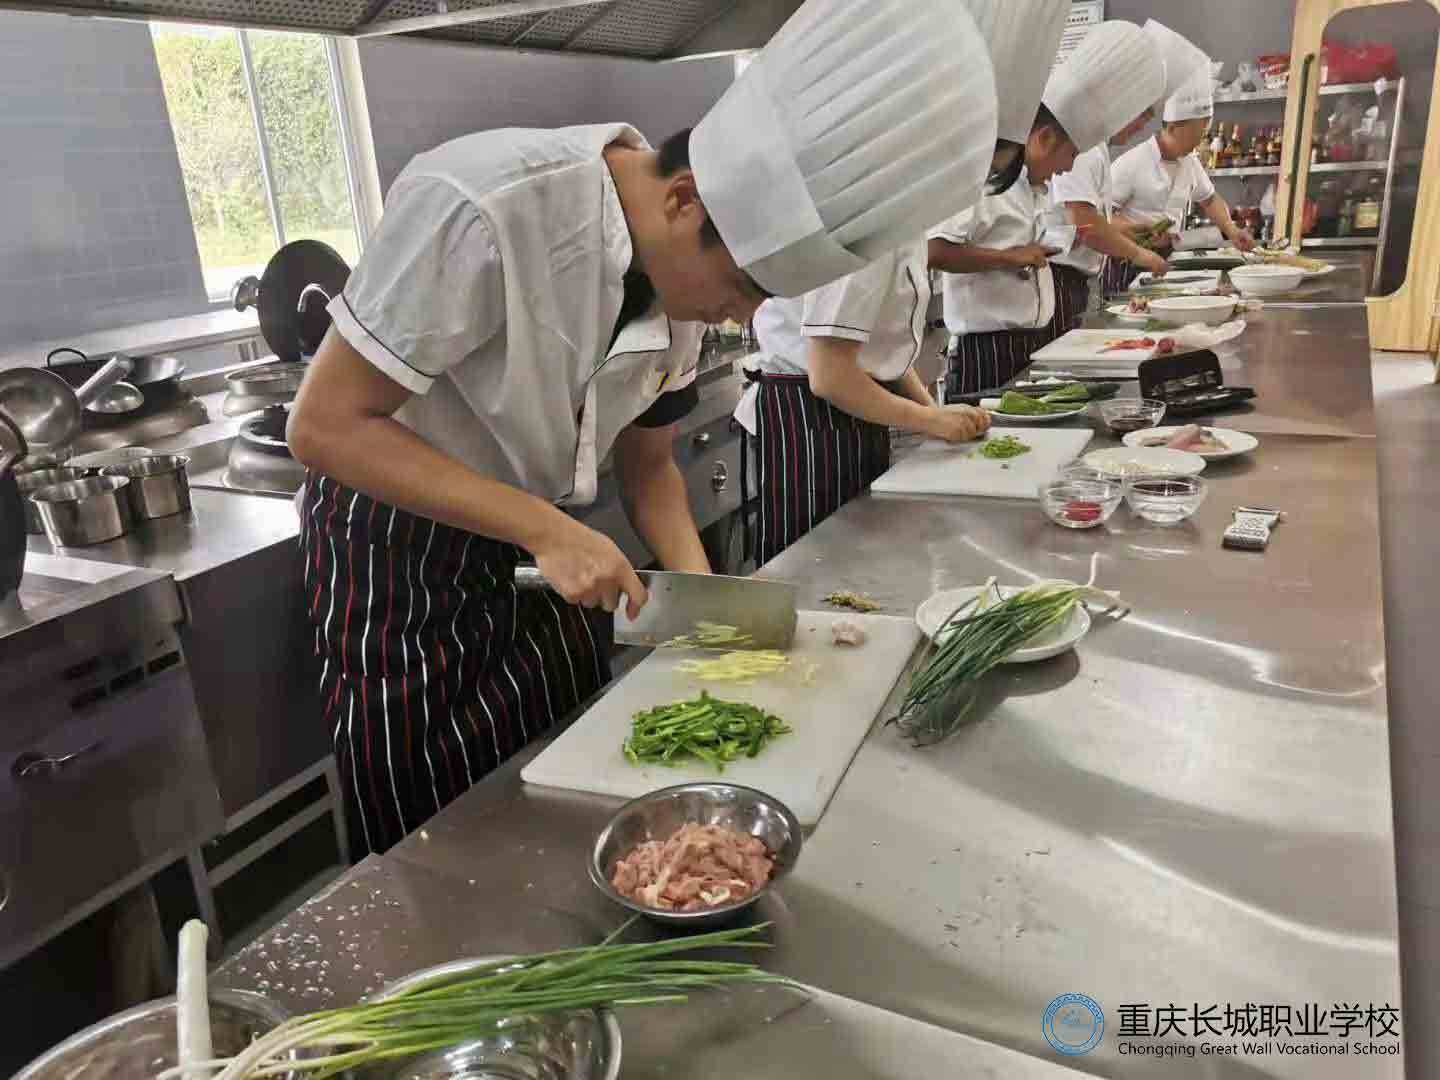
<point x="830" y="717"/>
<point x="1087" y="347"/>
<point x="937" y="468"/>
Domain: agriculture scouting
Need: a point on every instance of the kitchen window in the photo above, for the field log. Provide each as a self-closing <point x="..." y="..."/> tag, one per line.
<point x="256" y="120"/>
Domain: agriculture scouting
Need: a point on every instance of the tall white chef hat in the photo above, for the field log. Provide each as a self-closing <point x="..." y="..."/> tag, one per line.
<point x="1111" y="78"/>
<point x="1193" y="101"/>
<point x="859" y="126"/>
<point x="1183" y="59"/>
<point x="1022" y="36"/>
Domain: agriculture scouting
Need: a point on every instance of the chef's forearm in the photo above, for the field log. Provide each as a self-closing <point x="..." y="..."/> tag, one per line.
<point x="341" y="426"/>
<point x="914" y="388"/>
<point x="967" y="258"/>
<point x="1218" y="211"/>
<point x="656" y="499"/>
<point x="1102" y="235"/>
<point x="836" y="376"/>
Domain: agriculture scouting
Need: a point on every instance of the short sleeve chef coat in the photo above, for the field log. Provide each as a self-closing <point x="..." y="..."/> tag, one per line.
<point x="491" y="291"/>
<point x="883" y="307"/>
<point x="999" y="299"/>
<point x="1088" y="182"/>
<point x="1146" y="187"/>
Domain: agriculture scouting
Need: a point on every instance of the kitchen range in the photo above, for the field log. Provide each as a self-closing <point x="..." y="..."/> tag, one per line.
<point x="1067" y="742"/>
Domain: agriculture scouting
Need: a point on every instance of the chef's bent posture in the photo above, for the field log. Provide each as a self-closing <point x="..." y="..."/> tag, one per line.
<point x="999" y="290"/>
<point x="1162" y="177"/>
<point x="836" y="367"/>
<point x="1087" y="192"/>
<point x="531" y="303"/>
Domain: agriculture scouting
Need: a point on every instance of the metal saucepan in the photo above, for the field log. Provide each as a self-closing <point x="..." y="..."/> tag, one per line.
<point x="85" y="512"/>
<point x="158" y="485"/>
<point x="33" y="481"/>
<point x="46" y="409"/>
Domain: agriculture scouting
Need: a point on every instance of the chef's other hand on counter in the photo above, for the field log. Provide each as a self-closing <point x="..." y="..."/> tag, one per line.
<point x="342" y="425"/>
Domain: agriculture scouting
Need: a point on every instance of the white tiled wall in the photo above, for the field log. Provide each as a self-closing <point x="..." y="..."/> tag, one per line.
<point x="94" y="227"/>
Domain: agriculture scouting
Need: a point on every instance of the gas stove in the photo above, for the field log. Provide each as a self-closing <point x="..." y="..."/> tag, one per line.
<point x="113" y="432"/>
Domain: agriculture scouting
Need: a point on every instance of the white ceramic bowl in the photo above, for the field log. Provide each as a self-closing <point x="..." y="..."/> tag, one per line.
<point x="1266" y="280"/>
<point x="1184" y="310"/>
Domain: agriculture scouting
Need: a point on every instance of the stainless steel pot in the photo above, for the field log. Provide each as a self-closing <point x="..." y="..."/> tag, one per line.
<point x="158" y="485"/>
<point x="260" y="387"/>
<point x="85" y="512"/>
<point x="33" y="481"/>
<point x="141" y="1041"/>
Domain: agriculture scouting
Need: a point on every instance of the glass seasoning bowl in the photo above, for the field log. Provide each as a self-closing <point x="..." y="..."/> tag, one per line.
<point x="1124" y="415"/>
<point x="1079" y="503"/>
<point x="1164" y="500"/>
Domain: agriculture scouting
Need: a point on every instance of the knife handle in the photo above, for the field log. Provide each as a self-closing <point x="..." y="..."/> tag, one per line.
<point x="530" y="579"/>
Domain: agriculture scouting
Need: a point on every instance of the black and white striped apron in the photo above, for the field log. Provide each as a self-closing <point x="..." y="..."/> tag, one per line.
<point x="1072" y="298"/>
<point x="990" y="360"/>
<point x="811" y="459"/>
<point x="1117" y="276"/>
<point x="436" y="669"/>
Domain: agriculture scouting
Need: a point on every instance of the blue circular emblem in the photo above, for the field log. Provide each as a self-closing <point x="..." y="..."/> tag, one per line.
<point x="1073" y="1024"/>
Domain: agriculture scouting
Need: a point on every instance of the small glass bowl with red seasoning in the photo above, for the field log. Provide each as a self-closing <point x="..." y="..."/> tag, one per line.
<point x="1078" y="502"/>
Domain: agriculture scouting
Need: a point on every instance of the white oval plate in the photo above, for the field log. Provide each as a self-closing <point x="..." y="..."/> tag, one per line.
<point x="1043" y="418"/>
<point x="1129" y="460"/>
<point x="931" y="615"/>
<point x="1236" y="442"/>
<point x="1124" y="314"/>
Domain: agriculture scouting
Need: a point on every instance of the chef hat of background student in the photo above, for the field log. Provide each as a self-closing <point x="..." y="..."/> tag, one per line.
<point x="1194" y="101"/>
<point x="1022" y="36"/>
<point x="1112" y="77"/>
<point x="860" y="125"/>
<point x="1183" y="60"/>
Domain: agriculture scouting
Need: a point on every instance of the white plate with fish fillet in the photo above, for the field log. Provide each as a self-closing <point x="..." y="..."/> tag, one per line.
<point x="1218" y="444"/>
<point x="932" y="614"/>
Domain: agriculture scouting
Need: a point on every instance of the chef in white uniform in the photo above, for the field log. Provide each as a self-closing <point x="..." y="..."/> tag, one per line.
<point x="835" y="371"/>
<point x="1163" y="177"/>
<point x="1086" y="192"/>
<point x="533" y="303"/>
<point x="999" y="291"/>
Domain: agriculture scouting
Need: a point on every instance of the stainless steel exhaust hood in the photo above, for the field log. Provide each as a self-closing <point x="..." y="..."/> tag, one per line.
<point x="648" y="29"/>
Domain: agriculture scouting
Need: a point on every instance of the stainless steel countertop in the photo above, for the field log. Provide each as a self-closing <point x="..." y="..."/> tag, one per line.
<point x="1310" y="369"/>
<point x="1192" y="807"/>
<point x="220" y="528"/>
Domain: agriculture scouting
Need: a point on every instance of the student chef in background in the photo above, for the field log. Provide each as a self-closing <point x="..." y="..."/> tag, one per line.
<point x="532" y="302"/>
<point x="999" y="291"/>
<point x="1086" y="191"/>
<point x="1163" y="177"/>
<point x="836" y="367"/>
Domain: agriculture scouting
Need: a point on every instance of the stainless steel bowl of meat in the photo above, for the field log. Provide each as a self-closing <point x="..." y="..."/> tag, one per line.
<point x="695" y="855"/>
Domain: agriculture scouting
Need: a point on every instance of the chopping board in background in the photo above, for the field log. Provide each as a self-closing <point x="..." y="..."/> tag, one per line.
<point x="937" y="468"/>
<point x="1081" y="348"/>
<point x="830" y="716"/>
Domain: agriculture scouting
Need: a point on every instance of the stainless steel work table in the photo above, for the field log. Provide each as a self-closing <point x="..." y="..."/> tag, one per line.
<point x="1193" y="807"/>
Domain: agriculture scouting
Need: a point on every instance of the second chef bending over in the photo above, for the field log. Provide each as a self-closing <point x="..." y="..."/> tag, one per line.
<point x="998" y="286"/>
<point x="836" y="368"/>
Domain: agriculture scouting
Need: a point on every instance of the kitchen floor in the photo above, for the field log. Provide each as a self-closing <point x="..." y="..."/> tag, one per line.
<point x="1407" y="405"/>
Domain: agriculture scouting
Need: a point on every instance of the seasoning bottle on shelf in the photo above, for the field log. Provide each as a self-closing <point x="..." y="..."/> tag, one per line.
<point x="1367" y="210"/>
<point x="1347" y="217"/>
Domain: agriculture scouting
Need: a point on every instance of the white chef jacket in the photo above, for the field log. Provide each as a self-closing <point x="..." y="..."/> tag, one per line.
<point x="999" y="299"/>
<point x="883" y="307"/>
<point x="491" y="290"/>
<point x="1088" y="182"/>
<point x="1146" y="187"/>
